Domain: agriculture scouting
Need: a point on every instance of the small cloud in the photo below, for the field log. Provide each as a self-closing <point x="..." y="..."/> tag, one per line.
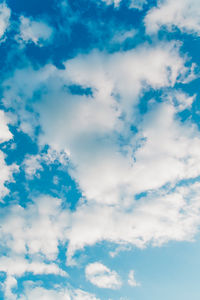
<point x="5" y="13"/>
<point x="102" y="276"/>
<point x="31" y="31"/>
<point x="131" y="279"/>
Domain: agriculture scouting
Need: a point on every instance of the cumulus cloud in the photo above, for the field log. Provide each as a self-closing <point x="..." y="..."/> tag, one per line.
<point x="102" y="276"/>
<point x="38" y="228"/>
<point x="146" y="223"/>
<point x="37" y="32"/>
<point x="183" y="14"/>
<point x="5" y="13"/>
<point x="17" y="266"/>
<point x="111" y="163"/>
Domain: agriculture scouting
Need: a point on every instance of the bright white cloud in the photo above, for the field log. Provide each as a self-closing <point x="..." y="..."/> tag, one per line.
<point x="37" y="32"/>
<point x="183" y="14"/>
<point x="17" y="266"/>
<point x="4" y="19"/>
<point x="147" y="221"/>
<point x="102" y="276"/>
<point x="131" y="279"/>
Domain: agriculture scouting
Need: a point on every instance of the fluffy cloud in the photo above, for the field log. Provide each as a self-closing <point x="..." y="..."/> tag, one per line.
<point x="183" y="14"/>
<point x="37" y="32"/>
<point x="4" y="19"/>
<point x="146" y="222"/>
<point x="38" y="228"/>
<point x="17" y="266"/>
<point x="111" y="163"/>
<point x="32" y="293"/>
<point x="102" y="276"/>
<point x="131" y="279"/>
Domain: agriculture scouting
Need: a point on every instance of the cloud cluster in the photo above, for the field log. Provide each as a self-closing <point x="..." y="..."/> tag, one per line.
<point x="38" y="228"/>
<point x="137" y="172"/>
<point x="111" y="163"/>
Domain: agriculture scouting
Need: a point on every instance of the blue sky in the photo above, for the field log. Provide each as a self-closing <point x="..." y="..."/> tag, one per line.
<point x="99" y="149"/>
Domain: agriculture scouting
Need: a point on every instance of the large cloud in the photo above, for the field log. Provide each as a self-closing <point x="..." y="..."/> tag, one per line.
<point x="111" y="163"/>
<point x="183" y="14"/>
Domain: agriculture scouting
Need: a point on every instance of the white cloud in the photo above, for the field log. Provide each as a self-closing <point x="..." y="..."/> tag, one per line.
<point x="6" y="175"/>
<point x="109" y="170"/>
<point x="102" y="276"/>
<point x="137" y="4"/>
<point x="5" y="134"/>
<point x="123" y="35"/>
<point x="17" y="266"/>
<point x="82" y="295"/>
<point x="44" y="294"/>
<point x="4" y="19"/>
<point x="183" y="14"/>
<point x="32" y="293"/>
<point x="131" y="279"/>
<point x="89" y="127"/>
<point x="143" y="224"/>
<point x="37" y="32"/>
<point x="6" y="170"/>
<point x="38" y="228"/>
<point x="33" y="163"/>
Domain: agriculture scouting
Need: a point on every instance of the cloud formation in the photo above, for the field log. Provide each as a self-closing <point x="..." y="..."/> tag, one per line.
<point x="33" y="31"/>
<point x="182" y="14"/>
<point x="5" y="13"/>
<point x="102" y="276"/>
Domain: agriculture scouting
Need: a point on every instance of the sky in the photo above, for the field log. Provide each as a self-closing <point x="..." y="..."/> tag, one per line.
<point x="99" y="149"/>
